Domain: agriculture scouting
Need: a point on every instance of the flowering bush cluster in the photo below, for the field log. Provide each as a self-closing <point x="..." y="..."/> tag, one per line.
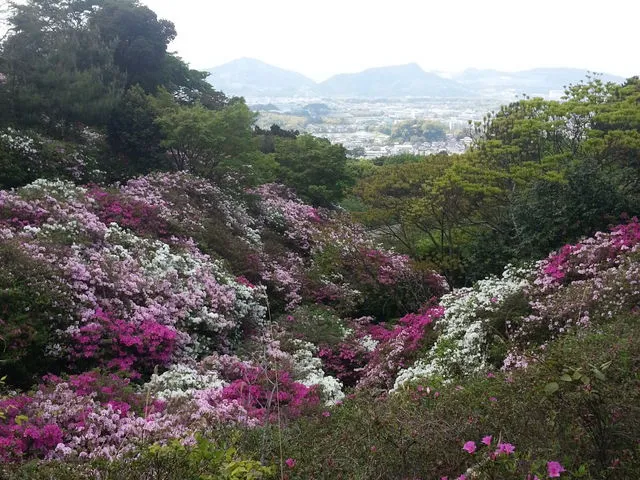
<point x="26" y="156"/>
<point x="120" y="345"/>
<point x="581" y="284"/>
<point x="466" y="329"/>
<point x="88" y="415"/>
<point x="507" y="321"/>
<point x="202" y="307"/>
<point x="501" y="459"/>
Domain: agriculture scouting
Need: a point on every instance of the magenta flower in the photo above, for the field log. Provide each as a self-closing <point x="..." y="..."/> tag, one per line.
<point x="469" y="447"/>
<point x="326" y="414"/>
<point x="462" y="477"/>
<point x="554" y="469"/>
<point x="487" y="440"/>
<point x="506" y="448"/>
<point x="290" y="462"/>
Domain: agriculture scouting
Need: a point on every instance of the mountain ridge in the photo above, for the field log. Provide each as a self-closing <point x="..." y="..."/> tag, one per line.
<point x="254" y="78"/>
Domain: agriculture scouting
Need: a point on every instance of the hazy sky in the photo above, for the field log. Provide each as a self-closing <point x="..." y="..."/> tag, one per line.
<point x="321" y="38"/>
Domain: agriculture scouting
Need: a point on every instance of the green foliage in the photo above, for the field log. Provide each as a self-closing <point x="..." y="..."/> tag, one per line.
<point x="314" y="167"/>
<point x="32" y="306"/>
<point x="540" y="174"/>
<point x="135" y="137"/>
<point x="314" y="324"/>
<point x="139" y="40"/>
<point x="59" y="71"/>
<point x="204" y="141"/>
<point x="417" y="132"/>
<point x="204" y="460"/>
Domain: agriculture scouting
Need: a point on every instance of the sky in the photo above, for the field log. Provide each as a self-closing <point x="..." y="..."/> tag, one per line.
<point x="322" y="38"/>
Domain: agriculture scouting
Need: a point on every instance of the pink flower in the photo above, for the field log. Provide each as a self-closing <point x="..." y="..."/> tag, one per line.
<point x="487" y="440"/>
<point x="491" y="375"/>
<point x="493" y="399"/>
<point x="469" y="447"/>
<point x="462" y="477"/>
<point x="505" y="448"/>
<point x="326" y="414"/>
<point x="554" y="469"/>
<point x="290" y="462"/>
<point x="373" y="448"/>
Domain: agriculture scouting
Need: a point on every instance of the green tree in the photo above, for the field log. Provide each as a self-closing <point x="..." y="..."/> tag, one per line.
<point x="204" y="141"/>
<point x="58" y="69"/>
<point x="139" y="40"/>
<point x="418" y="131"/>
<point x="135" y="137"/>
<point x="314" y="167"/>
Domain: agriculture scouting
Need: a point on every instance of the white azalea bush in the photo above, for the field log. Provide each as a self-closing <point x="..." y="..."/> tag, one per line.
<point x="466" y="331"/>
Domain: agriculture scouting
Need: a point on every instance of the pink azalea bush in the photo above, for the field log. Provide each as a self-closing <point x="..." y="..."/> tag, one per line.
<point x="123" y="346"/>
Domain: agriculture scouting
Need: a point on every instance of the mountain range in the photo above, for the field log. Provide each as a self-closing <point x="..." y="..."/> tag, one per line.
<point x="253" y="78"/>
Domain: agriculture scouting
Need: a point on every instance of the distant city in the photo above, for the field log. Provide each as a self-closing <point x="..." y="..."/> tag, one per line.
<point x="364" y="127"/>
<point x="361" y="110"/>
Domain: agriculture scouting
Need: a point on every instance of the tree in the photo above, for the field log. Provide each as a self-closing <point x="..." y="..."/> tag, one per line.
<point x="139" y="40"/>
<point x="417" y="131"/>
<point x="134" y="135"/>
<point x="189" y="86"/>
<point x="266" y="138"/>
<point x="203" y="141"/>
<point x="314" y="167"/>
<point x="58" y="69"/>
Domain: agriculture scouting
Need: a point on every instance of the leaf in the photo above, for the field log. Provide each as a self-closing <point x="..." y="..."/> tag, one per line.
<point x="586" y="380"/>
<point x="551" y="388"/>
<point x="566" y="378"/>
<point x="20" y="419"/>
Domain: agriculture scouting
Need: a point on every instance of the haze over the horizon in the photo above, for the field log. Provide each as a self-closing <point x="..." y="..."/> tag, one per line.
<point x="448" y="36"/>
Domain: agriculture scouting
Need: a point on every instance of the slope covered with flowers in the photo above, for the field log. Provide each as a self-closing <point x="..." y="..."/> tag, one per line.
<point x="155" y="309"/>
<point x="148" y="314"/>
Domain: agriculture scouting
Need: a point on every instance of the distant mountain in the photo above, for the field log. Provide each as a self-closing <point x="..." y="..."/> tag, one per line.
<point x="395" y="81"/>
<point x="535" y="81"/>
<point x="253" y="78"/>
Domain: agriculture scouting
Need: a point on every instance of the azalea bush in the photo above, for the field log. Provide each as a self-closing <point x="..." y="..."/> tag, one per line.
<point x="424" y="431"/>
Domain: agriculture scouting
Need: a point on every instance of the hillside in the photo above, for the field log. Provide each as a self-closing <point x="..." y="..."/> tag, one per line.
<point x="147" y="336"/>
<point x="535" y="81"/>
<point x="253" y="78"/>
<point x="396" y="81"/>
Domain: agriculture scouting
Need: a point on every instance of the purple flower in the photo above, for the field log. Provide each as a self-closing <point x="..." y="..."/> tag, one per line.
<point x="554" y="469"/>
<point x="469" y="447"/>
<point x="290" y="462"/>
<point x="506" y="448"/>
<point x="487" y="440"/>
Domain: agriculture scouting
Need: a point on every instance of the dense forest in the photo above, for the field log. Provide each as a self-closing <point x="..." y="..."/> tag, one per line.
<point x="186" y="295"/>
